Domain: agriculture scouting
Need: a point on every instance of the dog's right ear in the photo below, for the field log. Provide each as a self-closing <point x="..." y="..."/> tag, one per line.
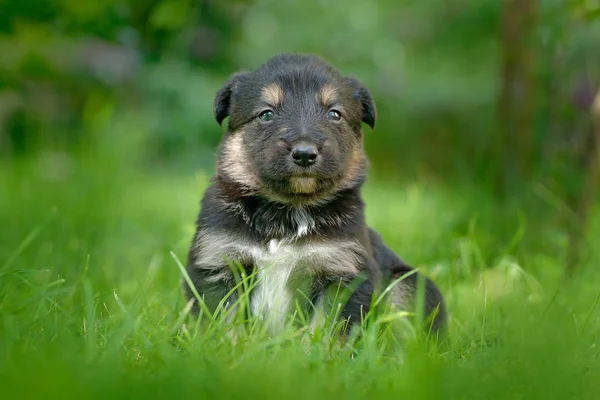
<point x="223" y="97"/>
<point x="361" y="93"/>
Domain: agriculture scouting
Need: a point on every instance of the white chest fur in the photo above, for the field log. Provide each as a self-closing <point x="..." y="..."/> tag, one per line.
<point x="278" y="262"/>
<point x="273" y="297"/>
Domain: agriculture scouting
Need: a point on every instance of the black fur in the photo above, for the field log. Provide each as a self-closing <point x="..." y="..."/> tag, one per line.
<point x="260" y="198"/>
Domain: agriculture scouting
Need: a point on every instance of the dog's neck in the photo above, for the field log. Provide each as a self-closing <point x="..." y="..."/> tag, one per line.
<point x="270" y="219"/>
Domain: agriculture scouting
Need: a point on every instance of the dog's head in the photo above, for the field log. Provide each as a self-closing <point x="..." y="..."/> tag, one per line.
<point x="294" y="130"/>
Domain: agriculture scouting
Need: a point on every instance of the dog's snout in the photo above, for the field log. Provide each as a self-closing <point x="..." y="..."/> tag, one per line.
<point x="305" y="155"/>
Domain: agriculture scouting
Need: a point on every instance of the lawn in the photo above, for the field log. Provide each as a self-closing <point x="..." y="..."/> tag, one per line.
<point x="91" y="304"/>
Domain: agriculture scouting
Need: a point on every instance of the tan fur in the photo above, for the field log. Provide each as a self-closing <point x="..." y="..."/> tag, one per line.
<point x="234" y="161"/>
<point x="356" y="167"/>
<point x="327" y="95"/>
<point x="272" y="94"/>
<point x="300" y="184"/>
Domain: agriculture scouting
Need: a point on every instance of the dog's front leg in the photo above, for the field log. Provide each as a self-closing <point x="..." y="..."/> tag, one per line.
<point x="353" y="291"/>
<point x="215" y="286"/>
<point x="359" y="302"/>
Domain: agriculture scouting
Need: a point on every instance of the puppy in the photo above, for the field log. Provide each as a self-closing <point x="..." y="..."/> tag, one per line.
<point x="286" y="199"/>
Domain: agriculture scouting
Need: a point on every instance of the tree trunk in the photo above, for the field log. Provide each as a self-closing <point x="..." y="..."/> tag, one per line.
<point x="587" y="199"/>
<point x="516" y="106"/>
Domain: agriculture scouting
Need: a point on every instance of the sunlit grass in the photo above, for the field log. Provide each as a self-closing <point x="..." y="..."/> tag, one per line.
<point x="91" y="303"/>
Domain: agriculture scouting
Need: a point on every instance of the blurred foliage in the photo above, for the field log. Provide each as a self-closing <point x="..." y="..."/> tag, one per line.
<point x="433" y="67"/>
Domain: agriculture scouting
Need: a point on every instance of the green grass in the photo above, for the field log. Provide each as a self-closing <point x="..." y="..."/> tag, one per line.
<point x="91" y="304"/>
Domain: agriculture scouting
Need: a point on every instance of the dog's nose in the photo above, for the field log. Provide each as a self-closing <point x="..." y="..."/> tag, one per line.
<point x="305" y="155"/>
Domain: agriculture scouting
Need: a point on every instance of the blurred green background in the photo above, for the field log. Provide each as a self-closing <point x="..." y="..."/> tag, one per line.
<point x="485" y="98"/>
<point x="438" y="70"/>
<point x="484" y="164"/>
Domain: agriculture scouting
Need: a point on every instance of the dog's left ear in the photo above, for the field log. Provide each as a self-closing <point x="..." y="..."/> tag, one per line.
<point x="222" y="101"/>
<point x="369" y="112"/>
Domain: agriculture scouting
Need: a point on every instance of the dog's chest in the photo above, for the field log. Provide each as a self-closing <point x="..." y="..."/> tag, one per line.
<point x="292" y="223"/>
<point x="284" y="270"/>
<point x="287" y="272"/>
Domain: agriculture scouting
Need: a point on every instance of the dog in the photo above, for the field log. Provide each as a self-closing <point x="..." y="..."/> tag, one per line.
<point x="285" y="201"/>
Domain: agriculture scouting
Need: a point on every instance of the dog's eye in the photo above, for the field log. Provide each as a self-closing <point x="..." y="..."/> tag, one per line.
<point x="266" y="115"/>
<point x="334" y="115"/>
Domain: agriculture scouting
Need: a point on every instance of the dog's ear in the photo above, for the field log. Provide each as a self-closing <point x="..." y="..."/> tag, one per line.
<point x="369" y="112"/>
<point x="223" y="97"/>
